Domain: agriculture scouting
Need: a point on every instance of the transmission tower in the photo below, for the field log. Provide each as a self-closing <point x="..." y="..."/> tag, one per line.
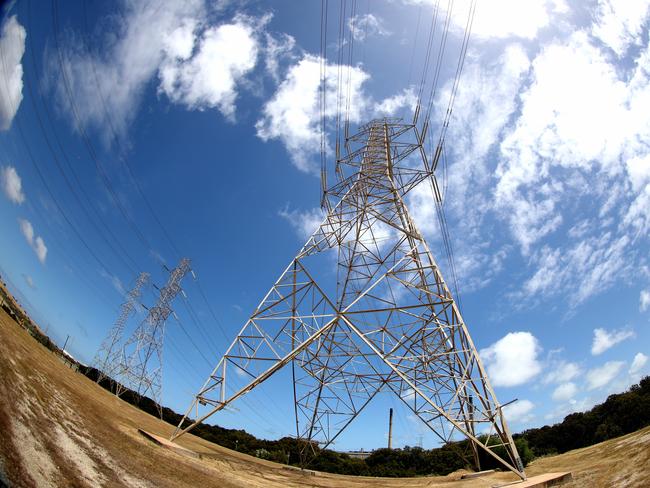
<point x="107" y="359"/>
<point x="142" y="356"/>
<point x="384" y="321"/>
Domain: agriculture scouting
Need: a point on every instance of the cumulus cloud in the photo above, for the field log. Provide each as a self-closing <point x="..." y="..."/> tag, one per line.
<point x="12" y="46"/>
<point x="644" y="300"/>
<point x="519" y="412"/>
<point x="601" y="376"/>
<point x="35" y="242"/>
<point x="292" y="115"/>
<point x="276" y="49"/>
<point x="513" y="359"/>
<point x="639" y="361"/>
<point x="482" y="111"/>
<point x="604" y="339"/>
<point x="620" y="24"/>
<point x="391" y="105"/>
<point x="564" y="392"/>
<point x="501" y="19"/>
<point x="559" y="125"/>
<point x="367" y="25"/>
<point x="562" y="372"/>
<point x="11" y="184"/>
<point x="563" y="142"/>
<point x="638" y="170"/>
<point x="197" y="64"/>
<point x="208" y="78"/>
<point x="109" y="85"/>
<point x="532" y="149"/>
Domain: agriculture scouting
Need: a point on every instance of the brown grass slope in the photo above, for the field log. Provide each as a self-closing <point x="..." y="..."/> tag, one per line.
<point x="57" y="428"/>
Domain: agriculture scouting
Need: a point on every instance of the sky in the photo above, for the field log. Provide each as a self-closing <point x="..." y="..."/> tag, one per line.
<point x="135" y="133"/>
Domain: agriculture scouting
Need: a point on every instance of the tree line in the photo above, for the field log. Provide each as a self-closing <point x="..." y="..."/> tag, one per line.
<point x="620" y="414"/>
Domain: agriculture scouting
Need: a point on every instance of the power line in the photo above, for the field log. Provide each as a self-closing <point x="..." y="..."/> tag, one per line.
<point x="131" y="265"/>
<point x="88" y="144"/>
<point x="116" y="137"/>
<point x="47" y="186"/>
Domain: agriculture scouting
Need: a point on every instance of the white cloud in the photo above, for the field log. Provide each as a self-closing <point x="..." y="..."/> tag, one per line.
<point x="638" y="170"/>
<point x="12" y="47"/>
<point x="275" y="50"/>
<point x="408" y="394"/>
<point x="293" y="116"/>
<point x="562" y="372"/>
<point x="179" y="43"/>
<point x="198" y="65"/>
<point x="639" y="361"/>
<point x="391" y="105"/>
<point x="512" y="360"/>
<point x="367" y="25"/>
<point x="604" y="340"/>
<point x="486" y="101"/>
<point x="128" y="60"/>
<point x="40" y="249"/>
<point x="27" y="230"/>
<point x="500" y="19"/>
<point x="11" y="184"/>
<point x="565" y="151"/>
<point x="29" y="281"/>
<point x="305" y="222"/>
<point x="620" y="24"/>
<point x="559" y="153"/>
<point x="209" y="78"/>
<point x="601" y="376"/>
<point x="644" y="300"/>
<point x="637" y="217"/>
<point x="588" y="267"/>
<point x="564" y="392"/>
<point x="560" y="126"/>
<point x="638" y="364"/>
<point x="519" y="412"/>
<point x="35" y="242"/>
<point x="115" y="282"/>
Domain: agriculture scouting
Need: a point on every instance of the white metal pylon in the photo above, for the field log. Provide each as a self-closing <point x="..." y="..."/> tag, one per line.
<point x="142" y="355"/>
<point x="107" y="360"/>
<point x="385" y="320"/>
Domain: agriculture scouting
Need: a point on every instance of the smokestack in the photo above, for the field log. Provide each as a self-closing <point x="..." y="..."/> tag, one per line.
<point x="390" y="428"/>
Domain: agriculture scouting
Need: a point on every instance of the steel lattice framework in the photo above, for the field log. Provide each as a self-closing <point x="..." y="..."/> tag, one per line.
<point x="385" y="320"/>
<point x="108" y="357"/>
<point x="142" y="355"/>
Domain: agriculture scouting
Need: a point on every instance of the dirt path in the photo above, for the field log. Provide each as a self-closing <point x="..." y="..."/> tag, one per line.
<point x="57" y="428"/>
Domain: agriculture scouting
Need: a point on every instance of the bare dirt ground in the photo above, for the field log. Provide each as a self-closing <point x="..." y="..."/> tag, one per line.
<point x="57" y="428"/>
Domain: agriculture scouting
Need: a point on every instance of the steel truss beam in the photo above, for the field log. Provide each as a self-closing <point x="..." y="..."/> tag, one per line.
<point x="386" y="319"/>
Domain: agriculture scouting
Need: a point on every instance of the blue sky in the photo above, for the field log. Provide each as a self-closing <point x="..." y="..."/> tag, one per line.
<point x="211" y="107"/>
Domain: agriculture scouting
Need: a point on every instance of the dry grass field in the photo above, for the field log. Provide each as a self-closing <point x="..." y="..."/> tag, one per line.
<point x="57" y="428"/>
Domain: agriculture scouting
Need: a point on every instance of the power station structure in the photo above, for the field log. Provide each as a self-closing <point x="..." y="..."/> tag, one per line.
<point x="363" y="308"/>
<point x="108" y="357"/>
<point x="139" y="366"/>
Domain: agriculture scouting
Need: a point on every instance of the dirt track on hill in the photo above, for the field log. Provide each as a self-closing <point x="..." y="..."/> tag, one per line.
<point x="57" y="428"/>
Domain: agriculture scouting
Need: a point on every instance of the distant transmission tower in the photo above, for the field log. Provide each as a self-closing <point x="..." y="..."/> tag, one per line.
<point x="142" y="356"/>
<point x="107" y="359"/>
<point x="386" y="320"/>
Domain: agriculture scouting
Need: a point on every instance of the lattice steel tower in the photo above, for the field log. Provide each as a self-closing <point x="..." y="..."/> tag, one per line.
<point x="386" y="320"/>
<point x="142" y="355"/>
<point x="108" y="357"/>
